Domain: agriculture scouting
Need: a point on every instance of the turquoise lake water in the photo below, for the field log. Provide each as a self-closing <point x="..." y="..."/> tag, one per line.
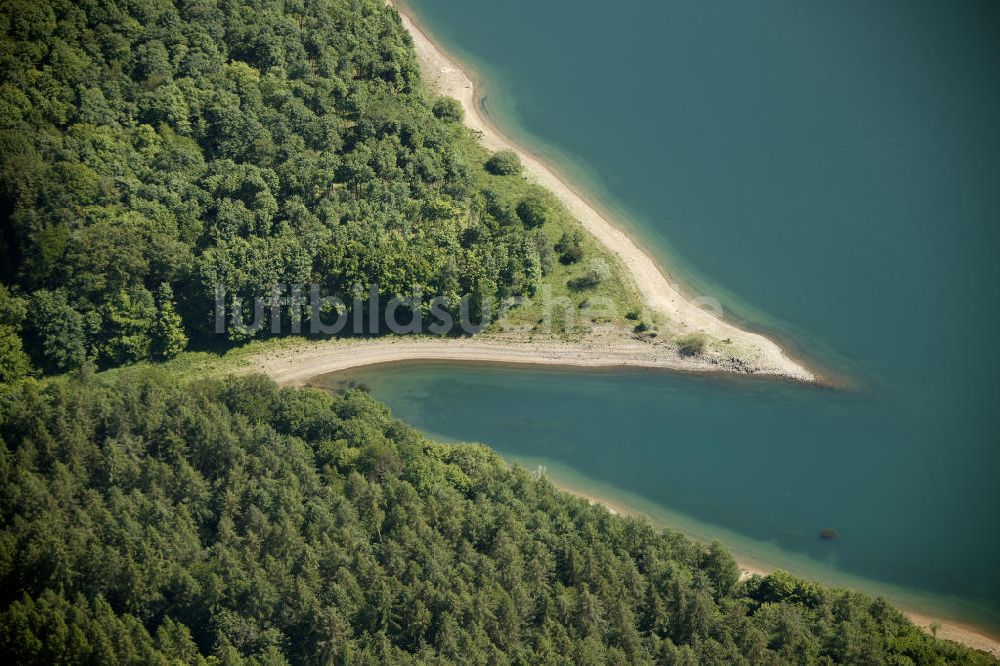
<point x="831" y="173"/>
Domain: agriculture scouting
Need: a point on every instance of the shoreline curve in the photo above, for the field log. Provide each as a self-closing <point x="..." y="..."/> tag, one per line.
<point x="959" y="632"/>
<point x="296" y="365"/>
<point x="444" y="74"/>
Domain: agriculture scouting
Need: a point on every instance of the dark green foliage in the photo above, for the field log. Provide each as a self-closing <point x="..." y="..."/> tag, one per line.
<point x="128" y="320"/>
<point x="499" y="210"/>
<point x="241" y="144"/>
<point x="51" y="629"/>
<point x="570" y="247"/>
<point x="448" y="108"/>
<point x="168" y="333"/>
<point x="151" y="520"/>
<point x="13" y="309"/>
<point x="14" y="362"/>
<point x="532" y="211"/>
<point x="504" y="163"/>
<point x="56" y="331"/>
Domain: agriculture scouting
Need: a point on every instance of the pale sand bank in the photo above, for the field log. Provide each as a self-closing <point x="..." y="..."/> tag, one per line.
<point x="296" y="365"/>
<point x="948" y="629"/>
<point x="660" y="295"/>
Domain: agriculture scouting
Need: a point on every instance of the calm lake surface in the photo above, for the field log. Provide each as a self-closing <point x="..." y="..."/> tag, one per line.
<point x="831" y="173"/>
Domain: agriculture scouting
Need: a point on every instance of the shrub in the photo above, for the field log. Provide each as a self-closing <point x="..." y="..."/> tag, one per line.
<point x="448" y="108"/>
<point x="597" y="273"/>
<point x="533" y="211"/>
<point x="546" y="255"/>
<point x="498" y="209"/>
<point x="570" y="247"/>
<point x="692" y="345"/>
<point x="504" y="163"/>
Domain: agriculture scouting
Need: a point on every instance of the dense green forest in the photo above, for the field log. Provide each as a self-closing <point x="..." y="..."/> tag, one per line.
<point x="151" y="151"/>
<point x="148" y="520"/>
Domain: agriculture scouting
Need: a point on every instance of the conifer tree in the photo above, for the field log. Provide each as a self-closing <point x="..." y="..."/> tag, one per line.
<point x="128" y="320"/>
<point x="169" y="338"/>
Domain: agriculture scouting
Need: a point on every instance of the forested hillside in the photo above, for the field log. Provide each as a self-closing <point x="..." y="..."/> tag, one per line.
<point x="151" y="520"/>
<point x="151" y="151"/>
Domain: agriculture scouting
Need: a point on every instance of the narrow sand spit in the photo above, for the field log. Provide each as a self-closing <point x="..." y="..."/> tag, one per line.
<point x="759" y="353"/>
<point x="295" y="366"/>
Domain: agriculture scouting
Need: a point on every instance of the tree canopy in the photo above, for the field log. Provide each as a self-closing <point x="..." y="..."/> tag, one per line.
<point x="240" y="144"/>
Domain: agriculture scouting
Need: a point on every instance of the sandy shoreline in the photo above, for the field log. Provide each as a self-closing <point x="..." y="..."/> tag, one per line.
<point x="294" y="366"/>
<point x="965" y="634"/>
<point x="747" y="568"/>
<point x="659" y="294"/>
